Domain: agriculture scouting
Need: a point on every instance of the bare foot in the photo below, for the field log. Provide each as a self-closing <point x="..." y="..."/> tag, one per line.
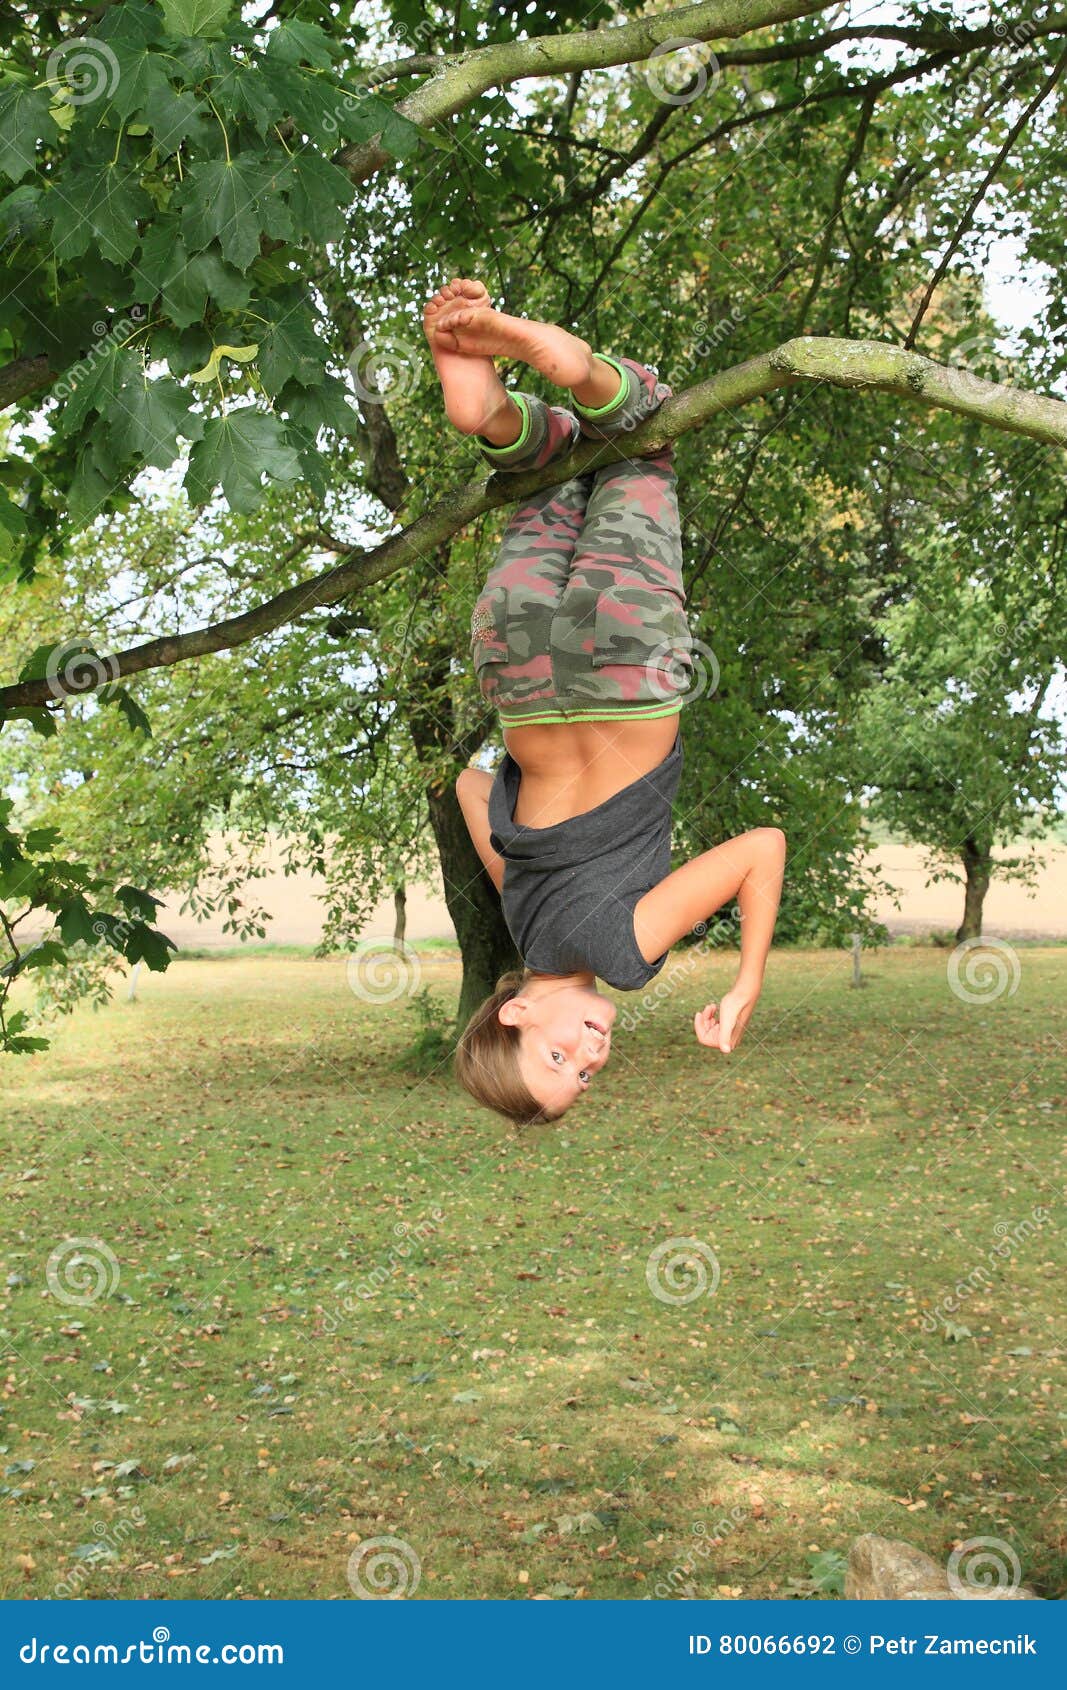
<point x="476" y="329"/>
<point x="473" y="392"/>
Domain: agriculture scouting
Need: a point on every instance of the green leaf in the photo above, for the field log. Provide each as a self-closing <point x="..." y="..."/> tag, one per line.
<point x="147" y="416"/>
<point x="44" y="955"/>
<point x="236" y="451"/>
<point x="99" y="206"/>
<point x="75" y="923"/>
<point x="294" y="43"/>
<point x="97" y="385"/>
<point x="25" y="119"/>
<point x="206" y="18"/>
<point x="318" y="193"/>
<point x="13" y="533"/>
<point x="139" y="903"/>
<point x="89" y="492"/>
<point x="827" y="1568"/>
<point x="291" y="349"/>
<point x="175" y="115"/>
<point x="325" y="406"/>
<point x="145" y="944"/>
<point x="367" y="115"/>
<point x="223" y="200"/>
<point x="142" y="80"/>
<point x="41" y="839"/>
<point x="128" y="707"/>
<point x="41" y="720"/>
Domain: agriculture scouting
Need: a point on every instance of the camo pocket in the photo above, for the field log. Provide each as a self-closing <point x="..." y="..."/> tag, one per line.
<point x="641" y="626"/>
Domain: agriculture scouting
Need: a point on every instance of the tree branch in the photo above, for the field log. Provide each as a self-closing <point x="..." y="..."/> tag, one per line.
<point x="873" y="365"/>
<point x="463" y="78"/>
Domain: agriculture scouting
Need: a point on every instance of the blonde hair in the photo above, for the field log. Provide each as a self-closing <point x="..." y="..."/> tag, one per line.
<point x="487" y="1059"/>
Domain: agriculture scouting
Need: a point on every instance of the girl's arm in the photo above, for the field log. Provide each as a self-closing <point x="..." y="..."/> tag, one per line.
<point x="472" y="789"/>
<point x="749" y="869"/>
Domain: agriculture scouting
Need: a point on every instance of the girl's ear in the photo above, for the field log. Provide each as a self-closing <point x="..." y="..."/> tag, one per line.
<point x="512" y="1012"/>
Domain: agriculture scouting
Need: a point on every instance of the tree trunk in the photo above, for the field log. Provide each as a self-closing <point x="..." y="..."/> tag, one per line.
<point x="400" y="919"/>
<point x="473" y="903"/>
<point x="977" y="867"/>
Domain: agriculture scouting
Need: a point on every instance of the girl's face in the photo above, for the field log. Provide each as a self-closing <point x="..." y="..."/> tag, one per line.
<point x="565" y="1028"/>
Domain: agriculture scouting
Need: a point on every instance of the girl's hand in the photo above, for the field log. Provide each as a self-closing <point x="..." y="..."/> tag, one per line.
<point x="721" y="1026"/>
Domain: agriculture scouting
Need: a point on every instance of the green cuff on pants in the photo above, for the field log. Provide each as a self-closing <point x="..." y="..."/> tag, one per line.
<point x="612" y="404"/>
<point x="516" y="445"/>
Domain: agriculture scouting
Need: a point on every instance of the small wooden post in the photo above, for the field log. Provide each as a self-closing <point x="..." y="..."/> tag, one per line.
<point x="857" y="975"/>
<point x="131" y="995"/>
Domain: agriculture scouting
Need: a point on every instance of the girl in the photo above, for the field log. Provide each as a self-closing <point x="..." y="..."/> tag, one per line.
<point x="580" y="641"/>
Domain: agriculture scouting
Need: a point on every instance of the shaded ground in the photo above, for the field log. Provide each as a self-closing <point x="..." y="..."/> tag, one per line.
<point x="319" y="1300"/>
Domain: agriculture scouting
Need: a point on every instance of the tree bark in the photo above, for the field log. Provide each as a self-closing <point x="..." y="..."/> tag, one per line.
<point x="400" y="919"/>
<point x="977" y="866"/>
<point x="473" y="902"/>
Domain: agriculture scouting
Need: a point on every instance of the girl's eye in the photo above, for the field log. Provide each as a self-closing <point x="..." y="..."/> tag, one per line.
<point x="584" y="1076"/>
<point x="557" y="1056"/>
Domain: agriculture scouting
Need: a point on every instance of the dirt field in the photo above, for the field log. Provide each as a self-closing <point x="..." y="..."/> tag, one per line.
<point x="1011" y="912"/>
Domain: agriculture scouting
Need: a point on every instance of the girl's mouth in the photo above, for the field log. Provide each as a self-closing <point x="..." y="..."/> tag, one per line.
<point x="597" y="1028"/>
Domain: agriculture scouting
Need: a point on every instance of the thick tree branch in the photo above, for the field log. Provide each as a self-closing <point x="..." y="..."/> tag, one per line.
<point x="871" y="364"/>
<point x="464" y="77"/>
<point x="23" y="376"/>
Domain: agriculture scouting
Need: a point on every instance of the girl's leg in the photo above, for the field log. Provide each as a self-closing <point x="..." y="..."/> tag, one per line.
<point x="621" y="636"/>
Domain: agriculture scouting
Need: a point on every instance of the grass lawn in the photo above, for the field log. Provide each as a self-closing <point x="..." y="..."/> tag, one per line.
<point x="320" y="1300"/>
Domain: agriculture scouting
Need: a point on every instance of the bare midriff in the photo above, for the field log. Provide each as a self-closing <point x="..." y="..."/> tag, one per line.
<point x="571" y="767"/>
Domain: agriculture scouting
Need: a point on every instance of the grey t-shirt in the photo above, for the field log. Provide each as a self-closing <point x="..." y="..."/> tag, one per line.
<point x="570" y="890"/>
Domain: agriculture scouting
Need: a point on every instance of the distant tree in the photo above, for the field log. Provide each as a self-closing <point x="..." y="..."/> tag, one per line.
<point x="962" y="753"/>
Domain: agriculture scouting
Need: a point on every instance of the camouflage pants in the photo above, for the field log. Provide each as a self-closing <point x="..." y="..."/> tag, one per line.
<point x="582" y="616"/>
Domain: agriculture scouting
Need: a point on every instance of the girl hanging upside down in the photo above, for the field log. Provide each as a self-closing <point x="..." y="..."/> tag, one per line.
<point x="580" y="642"/>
